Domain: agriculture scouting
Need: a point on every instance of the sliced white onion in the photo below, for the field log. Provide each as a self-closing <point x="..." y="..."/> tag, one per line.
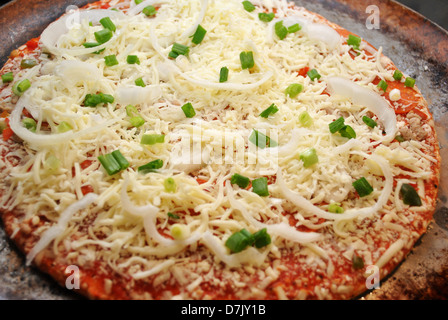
<point x="53" y="232"/>
<point x="139" y="8"/>
<point x="368" y="98"/>
<point x="55" y="30"/>
<point x="37" y="139"/>
<point x="249" y="256"/>
<point x="73" y="71"/>
<point x="138" y="95"/>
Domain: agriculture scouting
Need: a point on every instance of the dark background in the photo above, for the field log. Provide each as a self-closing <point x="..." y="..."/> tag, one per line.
<point x="435" y="10"/>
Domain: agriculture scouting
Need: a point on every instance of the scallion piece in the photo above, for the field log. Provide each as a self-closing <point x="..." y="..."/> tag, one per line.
<point x="354" y="41"/>
<point x="3" y="125"/>
<point x="241" y="181"/>
<point x="383" y="85"/>
<point x="109" y="164"/>
<point x="293" y="90"/>
<point x="199" y="35"/>
<point x="261" y="238"/>
<point x="369" y="121"/>
<point x="121" y="160"/>
<point x="151" y="166"/>
<point x="294" y="28"/>
<point x="52" y="163"/>
<point x="398" y="75"/>
<point x="266" y="17"/>
<point x="357" y="262"/>
<point x="410" y="195"/>
<point x="247" y="59"/>
<point x="173" y="216"/>
<point x="103" y="36"/>
<point x="20" y="87"/>
<point x="178" y="49"/>
<point x="335" y="208"/>
<point x="93" y="45"/>
<point x="409" y="82"/>
<point x="137" y="121"/>
<point x="92" y="100"/>
<point x="280" y="30"/>
<point x="131" y="111"/>
<point x="111" y="60"/>
<point x="170" y="185"/>
<point x="260" y="186"/>
<point x="305" y="119"/>
<point x="363" y="187"/>
<point x="149" y="11"/>
<point x="28" y="63"/>
<point x="7" y="77"/>
<point x="248" y="6"/>
<point x="106" y="98"/>
<point x="272" y="109"/>
<point x="348" y="132"/>
<point x="132" y="59"/>
<point x="313" y="74"/>
<point x="309" y="157"/>
<point x="139" y="82"/>
<point x="337" y="125"/>
<point x="239" y="241"/>
<point x="107" y="23"/>
<point x="223" y="74"/>
<point x="64" y="127"/>
<point x="138" y="1"/>
<point x="188" y="110"/>
<point x="261" y="140"/>
<point x="151" y="139"/>
<point x="30" y="124"/>
<point x="399" y="138"/>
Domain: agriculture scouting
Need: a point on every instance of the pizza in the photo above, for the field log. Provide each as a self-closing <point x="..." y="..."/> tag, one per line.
<point x="212" y="150"/>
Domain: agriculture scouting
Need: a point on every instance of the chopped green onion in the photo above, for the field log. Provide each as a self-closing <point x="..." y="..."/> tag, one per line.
<point x="139" y="82"/>
<point x="294" y="28"/>
<point x="260" y="140"/>
<point x="111" y="60"/>
<point x="335" y="208"/>
<point x="348" y="132"/>
<point x="151" y="139"/>
<point x="305" y="119"/>
<point x="121" y="160"/>
<point x="247" y="59"/>
<point x="363" y="187"/>
<point x="313" y="74"/>
<point x="92" y="100"/>
<point x="188" y="110"/>
<point x="223" y="74"/>
<point x="294" y="89"/>
<point x="30" y="124"/>
<point x="239" y="241"/>
<point x="410" y="195"/>
<point x="260" y="186"/>
<point x="21" y="86"/>
<point x="248" y="6"/>
<point x="383" y="85"/>
<point x="409" y="82"/>
<point x="398" y="75"/>
<point x="7" y="77"/>
<point x="28" y="63"/>
<point x="354" y="41"/>
<point x="151" y="166"/>
<point x="266" y="17"/>
<point x="241" y="181"/>
<point x="399" y="138"/>
<point x="109" y="164"/>
<point x="137" y="121"/>
<point x="357" y="262"/>
<point x="272" y="109"/>
<point x="131" y="111"/>
<point x="132" y="59"/>
<point x="3" y="125"/>
<point x="199" y="35"/>
<point x="93" y="45"/>
<point x="103" y="36"/>
<point x="107" y="23"/>
<point x="138" y="1"/>
<point x="149" y="11"/>
<point x="369" y="121"/>
<point x="337" y="125"/>
<point x="106" y="98"/>
<point x="64" y="127"/>
<point x="179" y="231"/>
<point x="261" y="238"/>
<point x="178" y="49"/>
<point x="280" y="30"/>
<point x="309" y="157"/>
<point x="173" y="216"/>
<point x="52" y="163"/>
<point x="170" y="185"/>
